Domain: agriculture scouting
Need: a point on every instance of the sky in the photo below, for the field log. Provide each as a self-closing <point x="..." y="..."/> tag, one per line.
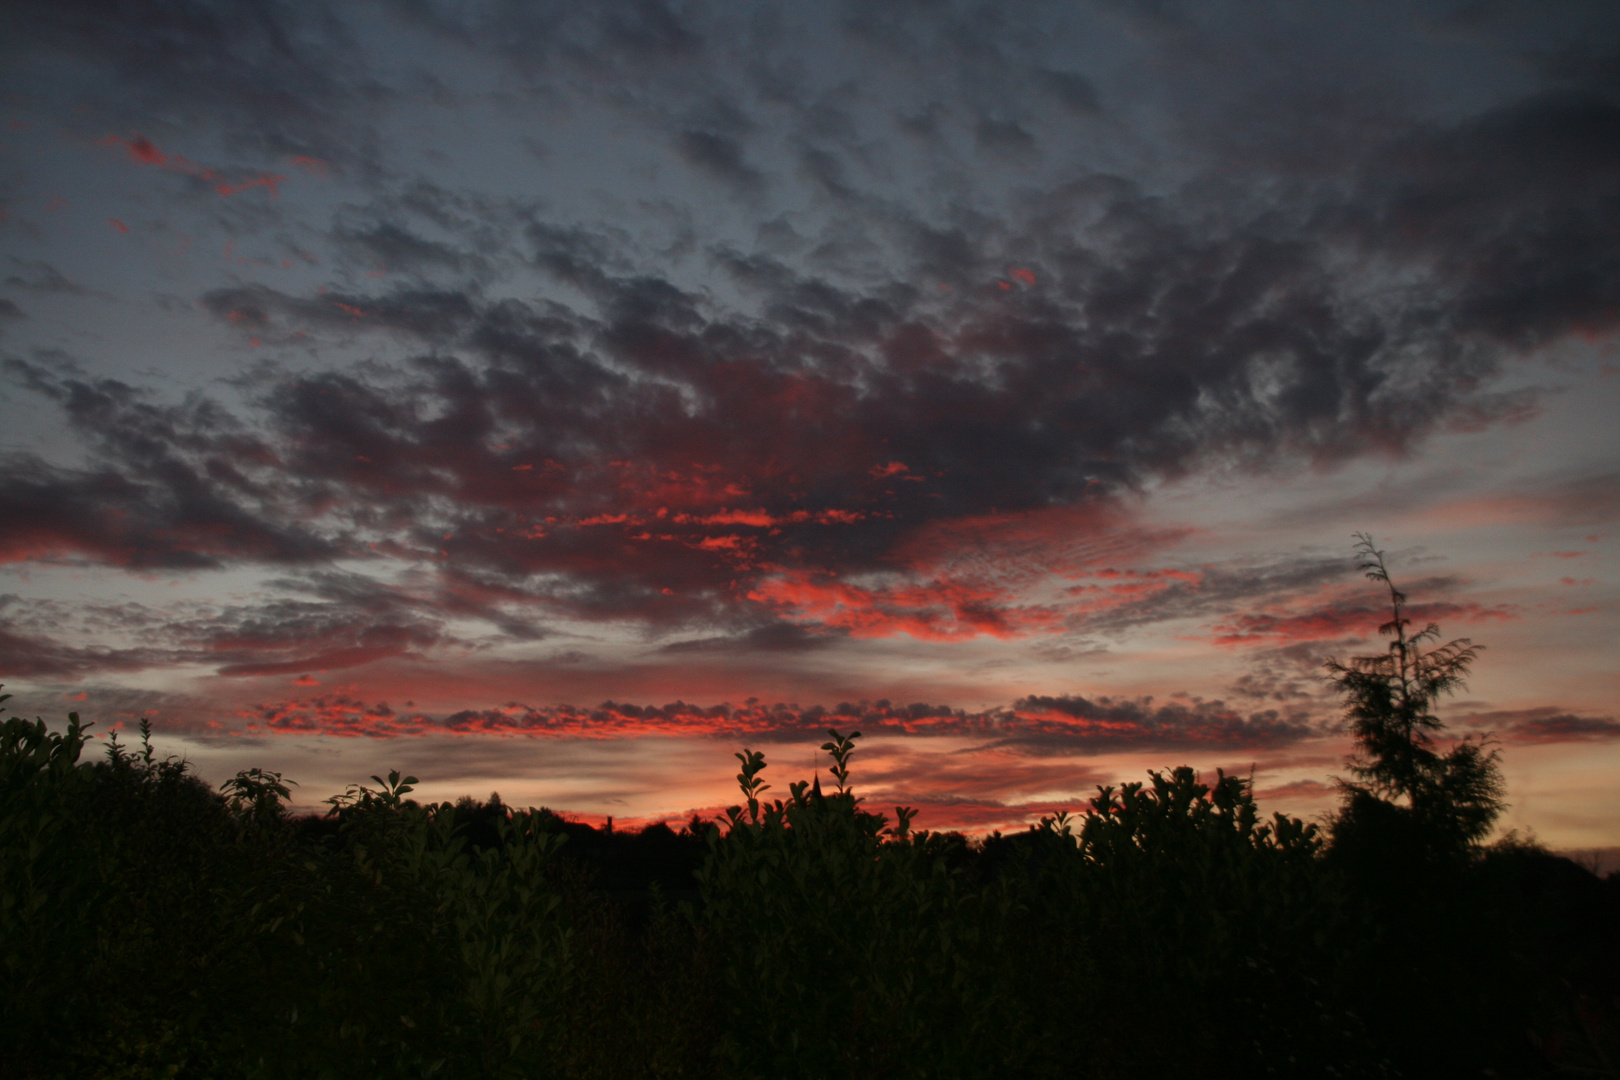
<point x="556" y="398"/>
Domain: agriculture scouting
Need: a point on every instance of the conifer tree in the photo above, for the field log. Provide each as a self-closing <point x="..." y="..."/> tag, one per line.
<point x="1453" y="796"/>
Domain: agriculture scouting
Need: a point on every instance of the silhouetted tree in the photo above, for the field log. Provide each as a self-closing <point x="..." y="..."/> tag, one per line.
<point x="1451" y="797"/>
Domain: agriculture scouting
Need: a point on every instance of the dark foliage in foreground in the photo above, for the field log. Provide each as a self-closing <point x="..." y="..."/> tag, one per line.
<point x="152" y="927"/>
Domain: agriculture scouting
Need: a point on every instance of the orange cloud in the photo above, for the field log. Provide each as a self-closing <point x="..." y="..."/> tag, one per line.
<point x="757" y="518"/>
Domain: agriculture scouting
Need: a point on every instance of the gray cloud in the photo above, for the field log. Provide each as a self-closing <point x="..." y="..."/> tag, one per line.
<point x="603" y="416"/>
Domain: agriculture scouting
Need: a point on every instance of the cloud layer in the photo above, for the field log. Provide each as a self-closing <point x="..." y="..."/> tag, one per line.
<point x="445" y="334"/>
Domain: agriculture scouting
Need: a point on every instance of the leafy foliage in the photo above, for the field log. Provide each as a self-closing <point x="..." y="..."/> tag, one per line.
<point x="844" y="947"/>
<point x="1163" y="926"/>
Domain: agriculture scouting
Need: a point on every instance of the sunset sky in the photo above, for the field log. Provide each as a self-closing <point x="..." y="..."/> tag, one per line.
<point x="555" y="398"/>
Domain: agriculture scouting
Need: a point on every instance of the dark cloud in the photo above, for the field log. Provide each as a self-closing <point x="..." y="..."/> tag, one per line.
<point x="881" y="418"/>
<point x="1546" y="724"/>
<point x="1002" y="137"/>
<point x="1346" y="619"/>
<point x="719" y="155"/>
<point x="1074" y="90"/>
<point x="279" y="83"/>
<point x="30" y="656"/>
<point x="391" y="247"/>
<point x="1514" y="210"/>
<point x="775" y="637"/>
<point x="153" y="518"/>
<point x="178" y="488"/>
<point x="660" y="454"/>
<point x="357" y="622"/>
<point x="1291" y="674"/>
<point x="1103" y="725"/>
<point x="35" y="275"/>
<point x="292" y="637"/>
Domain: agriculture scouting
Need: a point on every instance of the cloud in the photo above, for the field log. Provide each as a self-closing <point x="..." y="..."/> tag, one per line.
<point x="907" y="417"/>
<point x="35" y="275"/>
<point x="772" y="637"/>
<point x="1003" y="137"/>
<point x="174" y="521"/>
<point x="1032" y="727"/>
<point x="1047" y="724"/>
<point x="1348" y="619"/>
<point x="141" y="151"/>
<point x="1297" y="789"/>
<point x="388" y="247"/>
<point x="720" y="156"/>
<point x="1587" y="500"/>
<point x="633" y="449"/>
<point x="355" y="623"/>
<point x="1076" y="92"/>
<point x="1513" y="209"/>
<point x="1545" y="724"/>
<point x="175" y="490"/>
<point x="370" y="644"/>
<point x="284" y="85"/>
<point x="31" y="656"/>
<point x="935" y="611"/>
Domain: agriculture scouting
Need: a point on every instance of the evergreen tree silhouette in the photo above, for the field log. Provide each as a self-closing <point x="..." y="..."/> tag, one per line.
<point x="1450" y="798"/>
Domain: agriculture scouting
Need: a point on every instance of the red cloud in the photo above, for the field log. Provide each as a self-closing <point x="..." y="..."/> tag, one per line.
<point x="938" y="611"/>
<point x="334" y="715"/>
<point x="143" y="152"/>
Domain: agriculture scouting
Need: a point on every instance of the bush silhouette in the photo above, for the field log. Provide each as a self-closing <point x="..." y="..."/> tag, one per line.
<point x="1164" y="925"/>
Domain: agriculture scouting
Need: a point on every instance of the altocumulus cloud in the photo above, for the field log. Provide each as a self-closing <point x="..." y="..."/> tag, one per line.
<point x="889" y="332"/>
